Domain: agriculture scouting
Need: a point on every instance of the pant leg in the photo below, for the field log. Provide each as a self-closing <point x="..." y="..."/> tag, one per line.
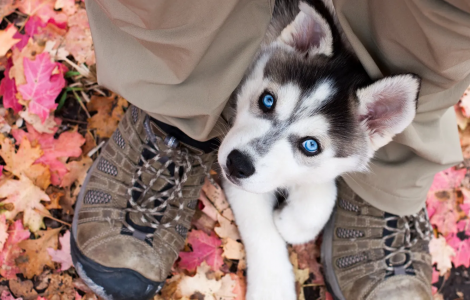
<point x="432" y="39"/>
<point x="178" y="60"/>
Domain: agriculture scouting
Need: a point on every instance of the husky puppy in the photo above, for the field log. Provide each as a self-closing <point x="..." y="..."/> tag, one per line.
<point x="306" y="112"/>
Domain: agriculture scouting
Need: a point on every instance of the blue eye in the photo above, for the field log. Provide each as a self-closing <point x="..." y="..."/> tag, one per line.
<point x="267" y="102"/>
<point x="310" y="145"/>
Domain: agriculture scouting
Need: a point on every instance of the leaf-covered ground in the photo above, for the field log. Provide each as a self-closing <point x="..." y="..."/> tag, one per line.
<point x="54" y="119"/>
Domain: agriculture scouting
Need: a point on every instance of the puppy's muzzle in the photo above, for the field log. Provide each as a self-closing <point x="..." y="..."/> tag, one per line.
<point x="239" y="165"/>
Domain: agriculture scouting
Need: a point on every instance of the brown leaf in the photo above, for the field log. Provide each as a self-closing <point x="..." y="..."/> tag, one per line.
<point x="309" y="255"/>
<point x="90" y="143"/>
<point x="109" y="112"/>
<point x="34" y="259"/>
<point x="60" y="288"/>
<point x="23" y="289"/>
<point x="41" y="282"/>
<point x="77" y="172"/>
<point x="55" y="197"/>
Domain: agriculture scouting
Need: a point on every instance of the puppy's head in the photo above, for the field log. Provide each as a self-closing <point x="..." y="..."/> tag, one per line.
<point x="307" y="111"/>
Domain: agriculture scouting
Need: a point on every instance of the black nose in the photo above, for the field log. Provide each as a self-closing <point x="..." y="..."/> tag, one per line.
<point x="239" y="165"/>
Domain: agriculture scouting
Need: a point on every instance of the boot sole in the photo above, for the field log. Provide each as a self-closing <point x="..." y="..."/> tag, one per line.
<point x="108" y="283"/>
<point x="331" y="281"/>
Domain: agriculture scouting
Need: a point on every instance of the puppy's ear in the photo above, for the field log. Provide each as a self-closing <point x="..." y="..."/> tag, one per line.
<point x="309" y="33"/>
<point x="387" y="107"/>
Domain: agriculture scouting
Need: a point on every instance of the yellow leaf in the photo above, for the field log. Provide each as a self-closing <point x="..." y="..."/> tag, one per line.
<point x="26" y="198"/>
<point x="18" y="163"/>
<point x="34" y="259"/>
<point x="6" y="39"/>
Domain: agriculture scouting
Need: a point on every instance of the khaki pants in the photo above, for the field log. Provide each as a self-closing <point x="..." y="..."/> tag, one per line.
<point x="180" y="60"/>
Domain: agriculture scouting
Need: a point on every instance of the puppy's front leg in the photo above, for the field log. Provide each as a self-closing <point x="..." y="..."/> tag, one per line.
<point x="306" y="213"/>
<point x="270" y="275"/>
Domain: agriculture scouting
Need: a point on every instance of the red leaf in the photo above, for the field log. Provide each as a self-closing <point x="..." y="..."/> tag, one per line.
<point x="67" y="145"/>
<point x="32" y="26"/>
<point x="63" y="255"/>
<point x="462" y="251"/>
<point x="42" y="88"/>
<point x="11" y="250"/>
<point x="8" y="90"/>
<point x="448" y="179"/>
<point x="205" y="248"/>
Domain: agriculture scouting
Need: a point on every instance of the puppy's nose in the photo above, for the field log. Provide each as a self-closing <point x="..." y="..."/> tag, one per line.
<point x="239" y="165"/>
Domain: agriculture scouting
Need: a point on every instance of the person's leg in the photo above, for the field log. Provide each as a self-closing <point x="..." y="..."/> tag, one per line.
<point x="177" y="62"/>
<point x="431" y="39"/>
<point x="375" y="245"/>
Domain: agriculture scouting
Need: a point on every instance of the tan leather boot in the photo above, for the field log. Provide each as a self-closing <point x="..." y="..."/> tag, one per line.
<point x="369" y="254"/>
<point x="136" y="206"/>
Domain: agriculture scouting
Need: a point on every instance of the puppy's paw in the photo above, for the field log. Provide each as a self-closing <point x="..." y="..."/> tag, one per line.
<point x="272" y="283"/>
<point x="291" y="228"/>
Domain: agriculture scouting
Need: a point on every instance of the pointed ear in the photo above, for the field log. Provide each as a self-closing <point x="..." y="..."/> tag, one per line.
<point x="309" y="33"/>
<point x="387" y="107"/>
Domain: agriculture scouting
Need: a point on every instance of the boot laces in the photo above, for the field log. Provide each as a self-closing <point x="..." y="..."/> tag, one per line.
<point x="415" y="228"/>
<point x="183" y="162"/>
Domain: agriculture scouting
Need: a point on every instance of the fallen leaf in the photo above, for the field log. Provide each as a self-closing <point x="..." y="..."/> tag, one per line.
<point x="26" y="198"/>
<point x="217" y="197"/>
<point x="233" y="249"/>
<point x="67" y="6"/>
<point x="7" y="7"/>
<point x="42" y="8"/>
<point x="77" y="171"/>
<point x="462" y="251"/>
<point x="6" y="39"/>
<point x="203" y="222"/>
<point x="18" y="163"/>
<point x="226" y="290"/>
<point x="60" y="287"/>
<point x="48" y="126"/>
<point x="200" y="283"/>
<point x="6" y="295"/>
<point x="109" y="111"/>
<point x="448" y="179"/>
<point x="301" y="275"/>
<point x="55" y="200"/>
<point x="42" y="88"/>
<point x="309" y="258"/>
<point x="464" y="103"/>
<point x="227" y="229"/>
<point x="24" y="289"/>
<point x="55" y="150"/>
<point x="18" y="56"/>
<point x="205" y="248"/>
<point x="8" y="90"/>
<point x="3" y="231"/>
<point x="441" y="254"/>
<point x="36" y="257"/>
<point x="63" y="255"/>
<point x="209" y="208"/>
<point x="78" y="40"/>
<point x="11" y="250"/>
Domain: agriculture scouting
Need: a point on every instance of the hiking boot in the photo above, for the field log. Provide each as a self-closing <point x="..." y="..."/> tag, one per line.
<point x="136" y="205"/>
<point x="369" y="254"/>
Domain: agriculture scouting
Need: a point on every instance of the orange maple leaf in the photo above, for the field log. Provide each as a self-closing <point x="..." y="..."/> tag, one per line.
<point x="6" y="39"/>
<point x="34" y="259"/>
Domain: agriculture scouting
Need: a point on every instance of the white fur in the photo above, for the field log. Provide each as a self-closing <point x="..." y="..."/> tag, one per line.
<point x="403" y="89"/>
<point x="270" y="273"/>
<point x="307" y="23"/>
<point x="306" y="212"/>
<point x="322" y="93"/>
<point x="310" y="180"/>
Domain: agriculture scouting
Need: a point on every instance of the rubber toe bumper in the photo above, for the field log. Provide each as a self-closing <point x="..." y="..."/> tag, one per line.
<point x="112" y="283"/>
